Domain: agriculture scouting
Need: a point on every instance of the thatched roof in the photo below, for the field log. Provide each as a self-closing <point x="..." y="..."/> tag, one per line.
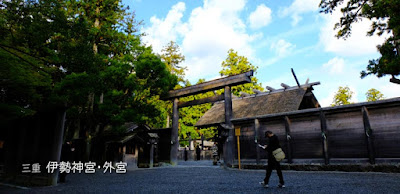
<point x="255" y="105"/>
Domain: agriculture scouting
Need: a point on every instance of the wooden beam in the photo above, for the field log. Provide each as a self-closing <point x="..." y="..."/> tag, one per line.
<point x="295" y="77"/>
<point x="201" y="101"/>
<point x="285" y="85"/>
<point x="324" y="137"/>
<point x="288" y="138"/>
<point x="368" y="134"/>
<point x="211" y="85"/>
<point x="273" y="90"/>
<point x="257" y="91"/>
<point x="243" y="94"/>
<point x="270" y="88"/>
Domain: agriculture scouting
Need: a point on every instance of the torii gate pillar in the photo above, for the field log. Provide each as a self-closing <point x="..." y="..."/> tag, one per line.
<point x="174" y="132"/>
<point x="229" y="144"/>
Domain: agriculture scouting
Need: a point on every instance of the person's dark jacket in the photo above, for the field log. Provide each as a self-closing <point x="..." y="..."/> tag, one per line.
<point x="66" y="153"/>
<point x="273" y="144"/>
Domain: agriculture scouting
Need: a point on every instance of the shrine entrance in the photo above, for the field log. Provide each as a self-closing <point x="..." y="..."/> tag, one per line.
<point x="226" y="83"/>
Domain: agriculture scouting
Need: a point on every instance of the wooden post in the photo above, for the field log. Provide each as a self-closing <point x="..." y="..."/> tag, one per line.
<point x="136" y="156"/>
<point x="228" y="151"/>
<point x="324" y="137"/>
<point x="288" y="138"/>
<point x="257" y="138"/>
<point x="174" y="133"/>
<point x="202" y="142"/>
<point x="237" y="133"/>
<point x="190" y="141"/>
<point x="368" y="135"/>
<point x="152" y="141"/>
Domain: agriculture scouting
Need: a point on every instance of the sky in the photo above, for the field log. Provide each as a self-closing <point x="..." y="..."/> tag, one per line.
<point x="274" y="35"/>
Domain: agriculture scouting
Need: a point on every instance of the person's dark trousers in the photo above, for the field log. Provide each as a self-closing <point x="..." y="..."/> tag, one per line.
<point x="62" y="177"/>
<point x="272" y="163"/>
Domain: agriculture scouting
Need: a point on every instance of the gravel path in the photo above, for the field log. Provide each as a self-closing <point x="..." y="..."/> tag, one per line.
<point x="202" y="177"/>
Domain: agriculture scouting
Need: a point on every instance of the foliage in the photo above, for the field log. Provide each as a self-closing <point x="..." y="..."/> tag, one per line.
<point x="86" y="54"/>
<point x="172" y="57"/>
<point x="385" y="17"/>
<point x="190" y="115"/>
<point x="342" y="96"/>
<point x="236" y="64"/>
<point x="374" y="95"/>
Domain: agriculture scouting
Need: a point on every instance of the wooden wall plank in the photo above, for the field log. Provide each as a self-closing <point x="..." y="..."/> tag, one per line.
<point x="386" y="131"/>
<point x="288" y="139"/>
<point x="368" y="135"/>
<point x="346" y="135"/>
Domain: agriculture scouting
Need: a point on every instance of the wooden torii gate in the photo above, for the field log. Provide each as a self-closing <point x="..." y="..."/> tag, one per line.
<point x="226" y="83"/>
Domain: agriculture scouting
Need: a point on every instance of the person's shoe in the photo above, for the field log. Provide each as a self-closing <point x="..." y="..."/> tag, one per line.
<point x="281" y="186"/>
<point x="263" y="184"/>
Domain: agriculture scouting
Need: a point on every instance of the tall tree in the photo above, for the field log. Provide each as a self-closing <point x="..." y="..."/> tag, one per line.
<point x="342" y="96"/>
<point x="374" y="95"/>
<point x="236" y="64"/>
<point x="172" y="57"/>
<point x="385" y="17"/>
<point x="63" y="51"/>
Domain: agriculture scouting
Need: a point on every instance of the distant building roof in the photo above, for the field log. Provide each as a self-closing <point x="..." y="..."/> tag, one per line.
<point x="262" y="104"/>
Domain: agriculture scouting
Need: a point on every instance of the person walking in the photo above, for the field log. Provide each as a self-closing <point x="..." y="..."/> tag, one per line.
<point x="272" y="163"/>
<point x="67" y="152"/>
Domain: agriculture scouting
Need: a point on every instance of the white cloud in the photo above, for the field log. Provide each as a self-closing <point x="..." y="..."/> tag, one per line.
<point x="299" y="7"/>
<point x="206" y="36"/>
<point x="261" y="17"/>
<point x="165" y="29"/>
<point x="334" y="66"/>
<point x="356" y="45"/>
<point x="282" y="48"/>
<point x="349" y="75"/>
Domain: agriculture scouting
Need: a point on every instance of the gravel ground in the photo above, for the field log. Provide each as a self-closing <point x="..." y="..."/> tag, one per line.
<point x="202" y="177"/>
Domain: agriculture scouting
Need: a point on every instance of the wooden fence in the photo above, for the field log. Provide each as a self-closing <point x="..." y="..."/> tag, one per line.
<point x="367" y="132"/>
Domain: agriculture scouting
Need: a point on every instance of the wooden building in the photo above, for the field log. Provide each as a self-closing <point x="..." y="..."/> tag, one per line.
<point x="137" y="146"/>
<point x="283" y="100"/>
<point x="363" y="132"/>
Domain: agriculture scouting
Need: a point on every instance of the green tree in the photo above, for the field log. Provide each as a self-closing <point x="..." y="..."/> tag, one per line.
<point x="236" y="64"/>
<point x="86" y="54"/>
<point x="342" y="96"/>
<point x="172" y="57"/>
<point x="385" y="17"/>
<point x="190" y="115"/>
<point x="374" y="95"/>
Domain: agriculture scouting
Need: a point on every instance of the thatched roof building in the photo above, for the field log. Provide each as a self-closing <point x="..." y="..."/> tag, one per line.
<point x="276" y="101"/>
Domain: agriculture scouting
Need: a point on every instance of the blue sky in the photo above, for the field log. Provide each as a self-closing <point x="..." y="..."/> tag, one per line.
<point x="273" y="35"/>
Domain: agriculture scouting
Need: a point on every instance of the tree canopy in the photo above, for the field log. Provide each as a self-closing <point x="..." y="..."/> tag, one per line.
<point x="172" y="57"/>
<point x="86" y="54"/>
<point x="236" y="64"/>
<point x="385" y="17"/>
<point x="374" y="95"/>
<point x="342" y="96"/>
